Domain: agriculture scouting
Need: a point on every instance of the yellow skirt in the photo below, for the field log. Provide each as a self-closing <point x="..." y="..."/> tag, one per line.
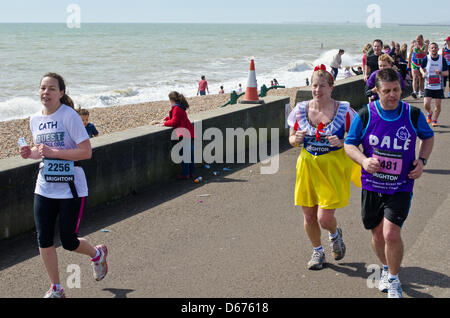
<point x="324" y="180"/>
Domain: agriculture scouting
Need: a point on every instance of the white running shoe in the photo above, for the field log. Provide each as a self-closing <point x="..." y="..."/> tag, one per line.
<point x="317" y="261"/>
<point x="383" y="285"/>
<point x="338" y="246"/>
<point x="395" y="289"/>
<point x="99" y="264"/>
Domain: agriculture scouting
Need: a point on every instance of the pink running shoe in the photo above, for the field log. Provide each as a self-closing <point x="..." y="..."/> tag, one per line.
<point x="53" y="293"/>
<point x="99" y="264"/>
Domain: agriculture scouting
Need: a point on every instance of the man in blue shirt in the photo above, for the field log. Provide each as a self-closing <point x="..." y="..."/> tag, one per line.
<point x="387" y="130"/>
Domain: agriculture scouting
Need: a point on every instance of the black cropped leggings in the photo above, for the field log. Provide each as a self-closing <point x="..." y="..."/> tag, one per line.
<point x="45" y="213"/>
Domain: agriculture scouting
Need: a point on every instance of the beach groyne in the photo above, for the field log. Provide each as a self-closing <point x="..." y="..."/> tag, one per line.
<point x="127" y="162"/>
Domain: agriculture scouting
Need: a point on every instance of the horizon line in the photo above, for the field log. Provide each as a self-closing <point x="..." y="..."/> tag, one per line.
<point x="242" y="23"/>
<point x="435" y="24"/>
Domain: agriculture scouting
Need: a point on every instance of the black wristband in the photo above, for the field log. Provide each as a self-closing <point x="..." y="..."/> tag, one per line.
<point x="423" y="160"/>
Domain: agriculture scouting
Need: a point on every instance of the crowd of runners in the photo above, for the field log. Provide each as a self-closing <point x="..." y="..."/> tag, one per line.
<point x="380" y="140"/>
<point x="424" y="67"/>
<point x="331" y="134"/>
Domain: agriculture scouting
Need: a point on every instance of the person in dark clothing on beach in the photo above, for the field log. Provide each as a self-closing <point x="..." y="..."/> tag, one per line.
<point x="359" y="71"/>
<point x="90" y="127"/>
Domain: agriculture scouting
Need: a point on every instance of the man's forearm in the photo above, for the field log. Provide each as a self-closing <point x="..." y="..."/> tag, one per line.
<point x="426" y="146"/>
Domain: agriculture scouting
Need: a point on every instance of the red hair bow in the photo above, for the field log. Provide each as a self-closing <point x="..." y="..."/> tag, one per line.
<point x="322" y="67"/>
<point x="319" y="130"/>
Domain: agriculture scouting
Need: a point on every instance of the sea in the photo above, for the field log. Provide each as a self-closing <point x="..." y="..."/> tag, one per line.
<point x="120" y="64"/>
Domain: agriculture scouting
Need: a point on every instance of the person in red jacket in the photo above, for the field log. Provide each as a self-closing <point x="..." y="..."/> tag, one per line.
<point x="178" y="119"/>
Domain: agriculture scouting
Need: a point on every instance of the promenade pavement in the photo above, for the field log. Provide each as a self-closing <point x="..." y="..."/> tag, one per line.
<point x="244" y="240"/>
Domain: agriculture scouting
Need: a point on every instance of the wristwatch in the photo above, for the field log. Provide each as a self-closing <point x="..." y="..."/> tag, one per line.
<point x="423" y="160"/>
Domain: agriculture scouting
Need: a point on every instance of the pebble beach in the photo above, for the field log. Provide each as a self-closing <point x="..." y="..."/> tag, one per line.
<point x="118" y="118"/>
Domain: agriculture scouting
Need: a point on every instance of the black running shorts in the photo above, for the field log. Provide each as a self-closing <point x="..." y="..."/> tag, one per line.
<point x="376" y="206"/>
<point x="435" y="94"/>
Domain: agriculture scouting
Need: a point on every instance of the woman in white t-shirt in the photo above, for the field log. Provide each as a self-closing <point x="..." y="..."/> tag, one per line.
<point x="60" y="141"/>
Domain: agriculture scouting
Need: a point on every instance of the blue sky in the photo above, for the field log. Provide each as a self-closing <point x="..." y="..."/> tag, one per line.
<point x="226" y="11"/>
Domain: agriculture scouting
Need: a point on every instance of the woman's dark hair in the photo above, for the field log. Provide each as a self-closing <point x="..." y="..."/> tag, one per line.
<point x="179" y="99"/>
<point x="62" y="87"/>
<point x="386" y="75"/>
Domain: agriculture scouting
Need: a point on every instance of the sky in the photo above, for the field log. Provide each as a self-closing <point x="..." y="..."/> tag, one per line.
<point x="226" y="11"/>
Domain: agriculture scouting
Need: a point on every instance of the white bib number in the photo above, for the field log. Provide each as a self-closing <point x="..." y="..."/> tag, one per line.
<point x="57" y="171"/>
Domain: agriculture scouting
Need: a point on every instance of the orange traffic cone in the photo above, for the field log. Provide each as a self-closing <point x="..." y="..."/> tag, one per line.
<point x="251" y="92"/>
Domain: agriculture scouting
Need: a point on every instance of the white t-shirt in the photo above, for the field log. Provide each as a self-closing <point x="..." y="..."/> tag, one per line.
<point x="63" y="129"/>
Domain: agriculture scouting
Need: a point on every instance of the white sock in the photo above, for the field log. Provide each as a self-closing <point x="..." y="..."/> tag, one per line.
<point x="56" y="287"/>
<point x="385" y="267"/>
<point x="333" y="236"/>
<point x="392" y="277"/>
<point x="318" y="249"/>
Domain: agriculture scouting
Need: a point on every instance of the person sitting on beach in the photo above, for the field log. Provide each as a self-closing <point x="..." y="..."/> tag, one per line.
<point x="179" y="120"/>
<point x="359" y="71"/>
<point x="275" y="82"/>
<point x="202" y="87"/>
<point x="90" y="128"/>
<point x="347" y="73"/>
<point x="271" y="83"/>
<point x="221" y="91"/>
<point x="384" y="61"/>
